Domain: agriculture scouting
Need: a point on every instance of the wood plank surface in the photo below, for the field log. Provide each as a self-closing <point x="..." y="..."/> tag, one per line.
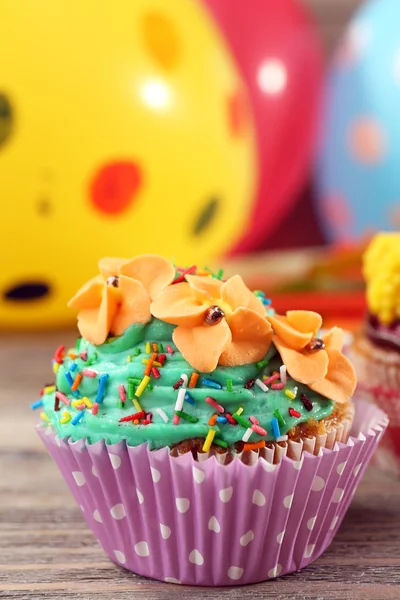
<point x="48" y="552"/>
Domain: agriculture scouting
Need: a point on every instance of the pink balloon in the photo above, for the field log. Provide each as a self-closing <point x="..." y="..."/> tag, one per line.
<point x="278" y="52"/>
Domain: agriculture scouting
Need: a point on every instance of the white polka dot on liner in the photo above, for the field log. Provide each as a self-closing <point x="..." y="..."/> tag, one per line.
<point x="196" y="558"/>
<point x="235" y="573"/>
<point x="120" y="556"/>
<point x="142" y="549"/>
<point x="118" y="511"/>
<point x="318" y="484"/>
<point x="226" y="494"/>
<point x="274" y="572"/>
<point x="79" y="478"/>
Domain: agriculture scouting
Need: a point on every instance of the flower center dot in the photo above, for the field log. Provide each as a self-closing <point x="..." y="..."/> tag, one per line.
<point x="214" y="315"/>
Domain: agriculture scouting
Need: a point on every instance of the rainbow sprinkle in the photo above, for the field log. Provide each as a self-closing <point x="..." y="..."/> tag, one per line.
<point x="101" y="388"/>
<point x="209" y="440"/>
<point x="212" y="402"/>
<point x="212" y="384"/>
<point x="275" y="427"/>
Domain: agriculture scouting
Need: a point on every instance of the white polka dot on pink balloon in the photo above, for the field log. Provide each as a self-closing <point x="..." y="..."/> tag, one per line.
<point x="366" y="140"/>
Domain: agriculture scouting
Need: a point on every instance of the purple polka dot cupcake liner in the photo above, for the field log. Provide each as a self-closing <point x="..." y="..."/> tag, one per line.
<point x="205" y="523"/>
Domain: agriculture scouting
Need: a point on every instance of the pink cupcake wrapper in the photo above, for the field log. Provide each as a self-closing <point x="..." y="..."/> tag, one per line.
<point x="182" y="521"/>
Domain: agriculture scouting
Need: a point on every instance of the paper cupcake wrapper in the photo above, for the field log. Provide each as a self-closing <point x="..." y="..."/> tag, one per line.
<point x="203" y="523"/>
<point x="387" y="456"/>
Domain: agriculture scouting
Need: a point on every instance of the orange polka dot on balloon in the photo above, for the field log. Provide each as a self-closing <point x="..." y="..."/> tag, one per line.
<point x="366" y="140"/>
<point x="115" y="186"/>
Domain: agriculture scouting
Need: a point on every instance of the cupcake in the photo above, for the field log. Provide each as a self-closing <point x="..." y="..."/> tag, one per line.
<point x="376" y="347"/>
<point x="205" y="437"/>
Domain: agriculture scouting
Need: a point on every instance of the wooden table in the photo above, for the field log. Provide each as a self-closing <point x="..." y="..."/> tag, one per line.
<point x="47" y="551"/>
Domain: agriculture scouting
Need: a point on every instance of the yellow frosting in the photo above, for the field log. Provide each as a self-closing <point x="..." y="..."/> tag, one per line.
<point x="381" y="267"/>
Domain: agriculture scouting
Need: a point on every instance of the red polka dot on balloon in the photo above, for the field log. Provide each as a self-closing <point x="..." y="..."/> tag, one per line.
<point x="237" y="113"/>
<point x="115" y="186"/>
<point x="366" y="139"/>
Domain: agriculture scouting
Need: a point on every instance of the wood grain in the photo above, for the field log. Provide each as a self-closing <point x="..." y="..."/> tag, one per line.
<point x="47" y="551"/>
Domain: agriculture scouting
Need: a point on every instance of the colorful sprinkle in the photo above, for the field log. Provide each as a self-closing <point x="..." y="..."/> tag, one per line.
<point x="136" y="351"/>
<point x="275" y="427"/>
<point x="133" y="417"/>
<point x="122" y="392"/>
<point x="176" y="419"/>
<point x="294" y="413"/>
<point x="279" y="417"/>
<point x="290" y="394"/>
<point x="229" y="385"/>
<point x="63" y="398"/>
<point x="49" y="389"/>
<point x="160" y="347"/>
<point x="178" y="383"/>
<point x="59" y="354"/>
<point x="186" y="416"/>
<point x="89" y="373"/>
<point x="162" y="414"/>
<point x="208" y="441"/>
<point x="73" y="367"/>
<point x="241" y="420"/>
<point x="83" y="355"/>
<point x="219" y="442"/>
<point x="308" y="405"/>
<point x="77" y="418"/>
<point x="212" y="384"/>
<point x="155" y="347"/>
<point x="44" y="417"/>
<point x="222" y="419"/>
<point x="262" y="363"/>
<point x="142" y="386"/>
<point x="247" y="435"/>
<point x="77" y="381"/>
<point x="148" y="348"/>
<point x="193" y="379"/>
<point x="155" y="372"/>
<point x="56" y="367"/>
<point x="180" y="399"/>
<point x="254" y="420"/>
<point x="95" y="408"/>
<point x="282" y="374"/>
<point x="271" y="378"/>
<point x="212" y="402"/>
<point x="68" y="377"/>
<point x="162" y="358"/>
<point x="170" y="350"/>
<point x="254" y="446"/>
<point x="101" y="388"/>
<point x="249" y="384"/>
<point x="212" y="420"/>
<point x="66" y="417"/>
<point x="36" y="404"/>
<point x="277" y="386"/>
<point x="188" y="271"/>
<point x="261" y="385"/>
<point x="189" y="398"/>
<point x="230" y="419"/>
<point x="258" y="429"/>
<point x="240" y="410"/>
<point x="137" y="404"/>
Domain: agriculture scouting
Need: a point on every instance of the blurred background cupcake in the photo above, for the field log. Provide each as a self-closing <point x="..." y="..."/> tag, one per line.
<point x="376" y="348"/>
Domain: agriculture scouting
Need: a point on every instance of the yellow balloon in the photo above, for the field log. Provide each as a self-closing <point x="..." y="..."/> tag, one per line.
<point x="124" y="129"/>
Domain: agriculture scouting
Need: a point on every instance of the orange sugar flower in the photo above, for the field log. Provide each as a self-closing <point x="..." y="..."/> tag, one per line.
<point x="217" y="322"/>
<point x="121" y="295"/>
<point x="316" y="362"/>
